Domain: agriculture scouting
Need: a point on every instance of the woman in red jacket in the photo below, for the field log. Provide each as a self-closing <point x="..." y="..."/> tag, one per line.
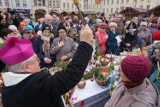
<point x="102" y="37"/>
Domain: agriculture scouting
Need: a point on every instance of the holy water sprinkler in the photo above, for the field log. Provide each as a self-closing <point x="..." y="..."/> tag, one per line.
<point x="76" y="2"/>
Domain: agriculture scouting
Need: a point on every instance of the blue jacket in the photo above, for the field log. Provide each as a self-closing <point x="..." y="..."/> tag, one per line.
<point x="112" y="43"/>
<point x="37" y="46"/>
<point x="156" y="81"/>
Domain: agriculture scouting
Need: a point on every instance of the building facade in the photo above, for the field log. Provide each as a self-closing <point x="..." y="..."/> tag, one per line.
<point x="39" y="8"/>
<point x="113" y="6"/>
<point x="5" y="4"/>
<point x="22" y="6"/>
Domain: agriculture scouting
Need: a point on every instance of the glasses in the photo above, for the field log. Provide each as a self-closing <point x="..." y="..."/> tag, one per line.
<point x="103" y="28"/>
<point x="36" y="59"/>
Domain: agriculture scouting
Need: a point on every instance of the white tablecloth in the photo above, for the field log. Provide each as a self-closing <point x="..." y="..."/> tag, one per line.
<point x="90" y="95"/>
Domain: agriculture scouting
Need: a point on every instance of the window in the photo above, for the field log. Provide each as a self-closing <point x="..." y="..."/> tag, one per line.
<point x="148" y="7"/>
<point x="111" y="10"/>
<point x="0" y="2"/>
<point x="72" y="6"/>
<point x="17" y="3"/>
<point x="122" y="1"/>
<point x="116" y="9"/>
<point x="117" y="1"/>
<point x="122" y="7"/>
<point x="50" y="3"/>
<point x="54" y="3"/>
<point x="112" y="2"/>
<point x="93" y="6"/>
<point x="44" y="2"/>
<point x="67" y="5"/>
<point x="35" y="2"/>
<point x="141" y="6"/>
<point x="40" y="2"/>
<point x="6" y="3"/>
<point x="57" y="3"/>
<point x="107" y="10"/>
<point x="127" y="1"/>
<point x="107" y="1"/>
<point x="64" y="5"/>
<point x="24" y="3"/>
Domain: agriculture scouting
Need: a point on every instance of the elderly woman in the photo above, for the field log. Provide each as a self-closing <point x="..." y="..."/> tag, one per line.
<point x="42" y="45"/>
<point x="102" y="37"/>
<point x="144" y="35"/>
<point x="63" y="47"/>
<point x="25" y="85"/>
<point x="114" y="40"/>
<point x="135" y="90"/>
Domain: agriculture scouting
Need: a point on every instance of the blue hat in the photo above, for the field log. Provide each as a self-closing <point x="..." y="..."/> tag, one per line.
<point x="29" y="27"/>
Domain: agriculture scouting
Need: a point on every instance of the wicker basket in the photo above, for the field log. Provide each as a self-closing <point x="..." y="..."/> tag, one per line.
<point x="101" y="83"/>
<point x="105" y="71"/>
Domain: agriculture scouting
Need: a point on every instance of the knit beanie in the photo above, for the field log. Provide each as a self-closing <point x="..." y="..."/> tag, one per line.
<point x="46" y="27"/>
<point x="29" y="27"/>
<point x="136" y="68"/>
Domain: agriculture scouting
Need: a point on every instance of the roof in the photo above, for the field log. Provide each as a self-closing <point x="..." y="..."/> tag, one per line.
<point x="157" y="8"/>
<point x="132" y="10"/>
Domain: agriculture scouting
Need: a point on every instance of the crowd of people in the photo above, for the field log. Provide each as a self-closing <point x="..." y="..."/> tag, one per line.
<point x="26" y="48"/>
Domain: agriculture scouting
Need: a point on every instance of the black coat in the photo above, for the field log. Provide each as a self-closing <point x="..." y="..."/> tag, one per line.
<point x="37" y="46"/>
<point x="44" y="90"/>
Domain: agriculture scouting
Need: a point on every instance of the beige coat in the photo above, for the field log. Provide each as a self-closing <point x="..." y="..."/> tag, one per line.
<point x="143" y="95"/>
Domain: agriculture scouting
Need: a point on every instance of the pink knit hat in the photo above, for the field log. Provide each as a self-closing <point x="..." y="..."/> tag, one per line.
<point x="136" y="68"/>
<point x="16" y="51"/>
<point x="102" y="24"/>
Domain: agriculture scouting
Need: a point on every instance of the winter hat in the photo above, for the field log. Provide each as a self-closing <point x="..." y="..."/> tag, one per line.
<point x="156" y="35"/>
<point x="24" y="31"/>
<point x="135" y="68"/>
<point x="29" y="27"/>
<point x="16" y="51"/>
<point x="13" y="27"/>
<point x="154" y="21"/>
<point x="5" y="32"/>
<point x="99" y="21"/>
<point x="113" y="24"/>
<point x="127" y="23"/>
<point x="102" y="24"/>
<point x="143" y="24"/>
<point x="46" y="27"/>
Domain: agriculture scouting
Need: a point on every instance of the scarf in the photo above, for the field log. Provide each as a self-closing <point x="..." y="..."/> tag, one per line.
<point x="46" y="46"/>
<point x="130" y="85"/>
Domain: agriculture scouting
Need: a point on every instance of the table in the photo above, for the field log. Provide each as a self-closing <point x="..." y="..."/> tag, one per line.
<point x="90" y="95"/>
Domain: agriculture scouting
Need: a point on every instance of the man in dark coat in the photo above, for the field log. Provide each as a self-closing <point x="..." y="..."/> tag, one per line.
<point x="25" y="86"/>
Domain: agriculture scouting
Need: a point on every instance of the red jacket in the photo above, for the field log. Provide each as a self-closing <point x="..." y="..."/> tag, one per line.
<point x="102" y="39"/>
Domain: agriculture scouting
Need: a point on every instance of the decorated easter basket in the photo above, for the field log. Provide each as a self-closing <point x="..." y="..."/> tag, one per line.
<point x="99" y="82"/>
<point x="105" y="61"/>
<point x="99" y="76"/>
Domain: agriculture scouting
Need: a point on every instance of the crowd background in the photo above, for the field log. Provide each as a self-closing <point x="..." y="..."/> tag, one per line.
<point x="55" y="40"/>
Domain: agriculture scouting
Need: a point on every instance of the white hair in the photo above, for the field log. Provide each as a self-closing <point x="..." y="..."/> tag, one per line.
<point x="12" y="27"/>
<point x="61" y="30"/>
<point x="113" y="24"/>
<point x="26" y="20"/>
<point x="47" y="16"/>
<point x="18" y="67"/>
<point x="86" y="19"/>
<point x="99" y="21"/>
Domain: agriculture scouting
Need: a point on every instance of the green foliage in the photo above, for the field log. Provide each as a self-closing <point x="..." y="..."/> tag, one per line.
<point x="61" y="65"/>
<point x="88" y="75"/>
